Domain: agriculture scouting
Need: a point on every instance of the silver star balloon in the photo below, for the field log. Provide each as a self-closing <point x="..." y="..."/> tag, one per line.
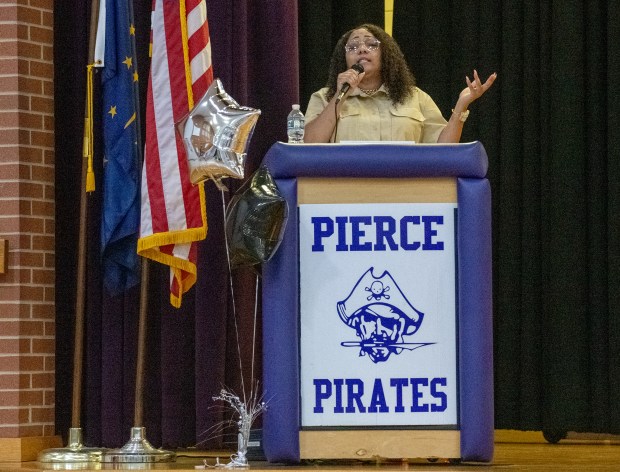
<point x="216" y="134"/>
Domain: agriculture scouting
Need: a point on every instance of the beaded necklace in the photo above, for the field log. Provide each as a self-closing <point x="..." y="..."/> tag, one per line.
<point x="370" y="92"/>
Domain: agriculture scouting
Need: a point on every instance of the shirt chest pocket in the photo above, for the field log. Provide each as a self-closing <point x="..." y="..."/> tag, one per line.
<point x="351" y="109"/>
<point x="407" y="123"/>
<point x="350" y="123"/>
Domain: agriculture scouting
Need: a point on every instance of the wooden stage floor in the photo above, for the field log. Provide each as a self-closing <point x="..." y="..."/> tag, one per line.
<point x="531" y="454"/>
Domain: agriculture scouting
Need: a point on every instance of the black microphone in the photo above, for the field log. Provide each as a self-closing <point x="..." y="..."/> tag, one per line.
<point x="345" y="87"/>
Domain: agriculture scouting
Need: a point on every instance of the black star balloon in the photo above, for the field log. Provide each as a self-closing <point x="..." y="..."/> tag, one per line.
<point x="216" y="134"/>
<point x="255" y="220"/>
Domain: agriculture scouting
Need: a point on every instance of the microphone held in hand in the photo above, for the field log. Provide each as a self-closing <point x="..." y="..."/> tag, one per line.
<point x="346" y="86"/>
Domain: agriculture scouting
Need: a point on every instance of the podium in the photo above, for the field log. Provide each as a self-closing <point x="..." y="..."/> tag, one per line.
<point x="377" y="307"/>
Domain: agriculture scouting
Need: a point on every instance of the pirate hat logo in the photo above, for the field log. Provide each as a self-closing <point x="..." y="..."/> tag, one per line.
<point x="381" y="315"/>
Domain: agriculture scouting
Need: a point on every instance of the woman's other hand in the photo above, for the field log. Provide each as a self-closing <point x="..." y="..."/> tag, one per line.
<point x="475" y="88"/>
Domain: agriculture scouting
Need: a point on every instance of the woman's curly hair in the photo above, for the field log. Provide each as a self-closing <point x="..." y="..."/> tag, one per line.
<point x="395" y="73"/>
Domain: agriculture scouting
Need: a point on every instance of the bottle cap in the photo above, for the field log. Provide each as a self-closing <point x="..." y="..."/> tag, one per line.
<point x="296" y="107"/>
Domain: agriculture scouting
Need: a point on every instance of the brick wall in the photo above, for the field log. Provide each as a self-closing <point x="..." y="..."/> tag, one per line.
<point x="27" y="218"/>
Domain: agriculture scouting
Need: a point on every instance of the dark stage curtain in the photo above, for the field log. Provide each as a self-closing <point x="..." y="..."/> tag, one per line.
<point x="191" y="352"/>
<point x="551" y="129"/>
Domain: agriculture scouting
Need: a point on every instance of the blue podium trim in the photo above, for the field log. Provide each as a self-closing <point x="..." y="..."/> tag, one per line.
<point x="281" y="363"/>
<point x="475" y="320"/>
<point x="281" y="367"/>
<point x="377" y="160"/>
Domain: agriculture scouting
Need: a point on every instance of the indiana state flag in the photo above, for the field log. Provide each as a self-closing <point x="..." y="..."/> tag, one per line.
<point x="122" y="159"/>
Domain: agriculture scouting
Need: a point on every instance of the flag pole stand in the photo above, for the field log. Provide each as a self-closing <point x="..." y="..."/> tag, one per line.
<point x="138" y="449"/>
<point x="75" y="451"/>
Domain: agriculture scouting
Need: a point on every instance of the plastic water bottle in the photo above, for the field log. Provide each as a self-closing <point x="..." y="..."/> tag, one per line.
<point x="295" y="125"/>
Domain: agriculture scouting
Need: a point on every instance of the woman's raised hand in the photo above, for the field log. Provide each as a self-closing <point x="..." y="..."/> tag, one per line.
<point x="475" y="88"/>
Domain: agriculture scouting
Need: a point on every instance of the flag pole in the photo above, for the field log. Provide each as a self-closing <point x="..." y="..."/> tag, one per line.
<point x="139" y="392"/>
<point x="138" y="449"/>
<point x="75" y="450"/>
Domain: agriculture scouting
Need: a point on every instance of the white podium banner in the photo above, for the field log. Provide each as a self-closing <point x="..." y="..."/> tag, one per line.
<point x="378" y="315"/>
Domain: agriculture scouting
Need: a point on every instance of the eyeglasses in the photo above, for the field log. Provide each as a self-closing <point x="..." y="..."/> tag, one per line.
<point x="372" y="44"/>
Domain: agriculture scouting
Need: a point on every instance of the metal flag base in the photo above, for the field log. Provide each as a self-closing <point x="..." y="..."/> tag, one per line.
<point x="137" y="450"/>
<point x="74" y="452"/>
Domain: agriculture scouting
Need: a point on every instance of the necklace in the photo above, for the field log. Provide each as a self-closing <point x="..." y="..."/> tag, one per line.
<point x="370" y="92"/>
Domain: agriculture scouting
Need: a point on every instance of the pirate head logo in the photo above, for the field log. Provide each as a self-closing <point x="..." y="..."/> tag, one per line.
<point x="381" y="316"/>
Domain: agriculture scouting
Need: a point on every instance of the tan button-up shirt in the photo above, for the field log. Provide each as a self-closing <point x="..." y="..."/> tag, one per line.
<point x="375" y="118"/>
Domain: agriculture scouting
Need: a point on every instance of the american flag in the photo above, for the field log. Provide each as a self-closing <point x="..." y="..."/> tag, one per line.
<point x="173" y="210"/>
